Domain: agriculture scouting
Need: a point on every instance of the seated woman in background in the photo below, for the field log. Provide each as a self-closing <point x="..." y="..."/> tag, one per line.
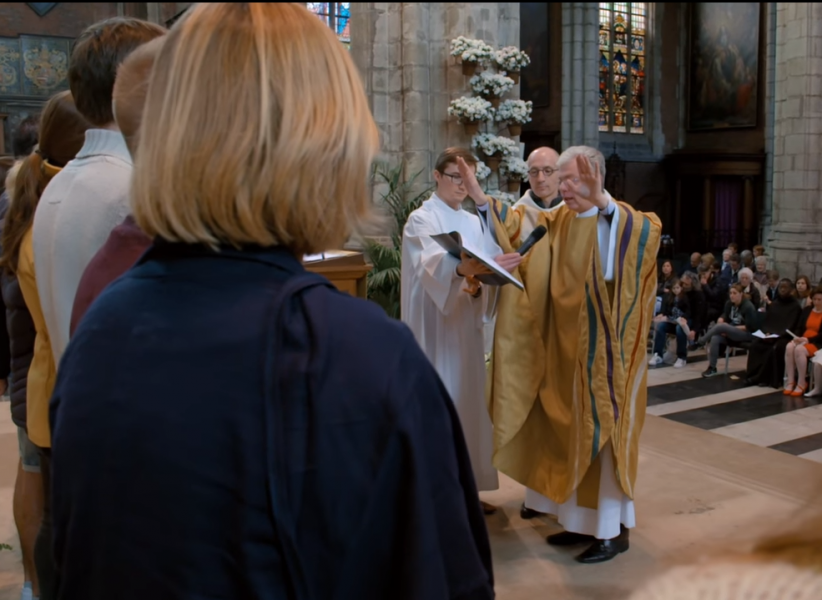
<point x="666" y="278"/>
<point x="803" y="291"/>
<point x="737" y="323"/>
<point x="227" y="424"/>
<point x="761" y="270"/>
<point x="674" y="317"/>
<point x="766" y="357"/>
<point x="800" y="349"/>
<point x="749" y="288"/>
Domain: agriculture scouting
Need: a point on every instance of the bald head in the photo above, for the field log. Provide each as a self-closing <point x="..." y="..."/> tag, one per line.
<point x="543" y="184"/>
<point x="131" y="87"/>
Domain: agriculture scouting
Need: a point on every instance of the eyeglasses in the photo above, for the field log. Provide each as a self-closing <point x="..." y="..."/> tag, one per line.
<point x="455" y="177"/>
<point x="547" y="170"/>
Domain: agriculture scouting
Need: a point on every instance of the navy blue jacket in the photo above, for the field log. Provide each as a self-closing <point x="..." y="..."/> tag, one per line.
<point x="209" y="441"/>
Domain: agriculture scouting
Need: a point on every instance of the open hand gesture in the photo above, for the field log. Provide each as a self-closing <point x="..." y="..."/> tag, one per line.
<point x="589" y="183"/>
<point x="469" y="179"/>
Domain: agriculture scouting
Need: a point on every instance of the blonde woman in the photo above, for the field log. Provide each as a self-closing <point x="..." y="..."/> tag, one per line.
<point x="256" y="434"/>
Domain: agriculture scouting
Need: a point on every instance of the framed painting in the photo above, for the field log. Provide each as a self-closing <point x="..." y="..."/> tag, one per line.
<point x="723" y="74"/>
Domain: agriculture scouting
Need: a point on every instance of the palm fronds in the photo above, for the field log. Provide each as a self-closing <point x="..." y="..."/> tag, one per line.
<point x="399" y="201"/>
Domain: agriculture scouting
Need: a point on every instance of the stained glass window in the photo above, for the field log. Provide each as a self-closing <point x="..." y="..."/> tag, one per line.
<point x="622" y="45"/>
<point x="336" y="15"/>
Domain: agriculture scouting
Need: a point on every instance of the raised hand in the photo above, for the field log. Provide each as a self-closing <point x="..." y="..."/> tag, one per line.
<point x="469" y="179"/>
<point x="588" y="185"/>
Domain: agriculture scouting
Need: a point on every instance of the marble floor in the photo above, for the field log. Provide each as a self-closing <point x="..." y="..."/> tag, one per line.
<point x="720" y="466"/>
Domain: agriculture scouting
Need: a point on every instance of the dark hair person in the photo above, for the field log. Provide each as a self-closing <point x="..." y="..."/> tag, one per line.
<point x="336" y="466"/>
<point x="62" y="131"/>
<point x="766" y="357"/>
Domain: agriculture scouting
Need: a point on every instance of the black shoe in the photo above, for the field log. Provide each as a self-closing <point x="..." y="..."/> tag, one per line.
<point x="710" y="372"/>
<point x="528" y="513"/>
<point x="567" y="538"/>
<point x="604" y="550"/>
<point x="749" y="382"/>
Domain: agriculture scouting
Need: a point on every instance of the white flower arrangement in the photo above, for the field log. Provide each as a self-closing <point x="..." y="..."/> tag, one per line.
<point x="514" y="168"/>
<point x="515" y="111"/>
<point x="471" y="109"/>
<point x="495" y="145"/>
<point x="483" y="171"/>
<point x="491" y="84"/>
<point x="511" y="59"/>
<point x="471" y="50"/>
<point x="505" y="197"/>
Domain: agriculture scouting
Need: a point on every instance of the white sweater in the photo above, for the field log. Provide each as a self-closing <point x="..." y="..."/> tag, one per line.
<point x="78" y="209"/>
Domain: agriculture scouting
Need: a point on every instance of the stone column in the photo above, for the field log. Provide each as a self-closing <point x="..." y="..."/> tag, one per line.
<point x="795" y="240"/>
<point x="402" y="51"/>
<point x="770" y="76"/>
<point x="580" y="75"/>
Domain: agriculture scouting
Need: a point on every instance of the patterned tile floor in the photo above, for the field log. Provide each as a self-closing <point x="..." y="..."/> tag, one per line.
<point x="724" y="405"/>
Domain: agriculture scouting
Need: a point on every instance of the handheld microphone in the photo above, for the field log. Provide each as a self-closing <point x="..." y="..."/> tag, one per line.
<point x="536" y="235"/>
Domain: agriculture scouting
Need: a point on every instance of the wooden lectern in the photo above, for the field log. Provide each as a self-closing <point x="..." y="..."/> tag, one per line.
<point x="345" y="269"/>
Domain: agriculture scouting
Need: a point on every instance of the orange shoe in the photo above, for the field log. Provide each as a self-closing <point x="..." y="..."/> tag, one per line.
<point x="789" y="389"/>
<point x="800" y="390"/>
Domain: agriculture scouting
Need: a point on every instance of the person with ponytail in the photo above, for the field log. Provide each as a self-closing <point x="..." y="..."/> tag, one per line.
<point x="62" y="132"/>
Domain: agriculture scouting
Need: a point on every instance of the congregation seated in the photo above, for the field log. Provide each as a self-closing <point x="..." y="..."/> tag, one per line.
<point x="772" y="289"/>
<point x="761" y="270"/>
<point x="766" y="357"/>
<point x="800" y="349"/>
<point x="803" y="290"/>
<point x="749" y="287"/>
<point x="666" y="278"/>
<point x="715" y="292"/>
<point x="696" y="260"/>
<point x="674" y="317"/>
<point x="747" y="258"/>
<point x="736" y="325"/>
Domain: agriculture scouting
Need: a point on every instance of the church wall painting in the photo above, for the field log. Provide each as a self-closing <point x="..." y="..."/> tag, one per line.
<point x="32" y="69"/>
<point x="724" y="65"/>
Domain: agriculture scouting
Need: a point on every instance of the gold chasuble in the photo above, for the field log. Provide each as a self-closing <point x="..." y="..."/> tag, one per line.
<point x="568" y="369"/>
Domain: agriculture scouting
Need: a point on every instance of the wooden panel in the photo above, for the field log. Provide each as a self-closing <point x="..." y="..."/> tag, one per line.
<point x="348" y="273"/>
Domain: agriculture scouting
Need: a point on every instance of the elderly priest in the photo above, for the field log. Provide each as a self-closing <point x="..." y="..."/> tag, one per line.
<point x="568" y="374"/>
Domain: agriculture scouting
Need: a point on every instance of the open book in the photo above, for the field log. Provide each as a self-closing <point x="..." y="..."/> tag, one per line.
<point x="455" y="246"/>
<point x="765" y="336"/>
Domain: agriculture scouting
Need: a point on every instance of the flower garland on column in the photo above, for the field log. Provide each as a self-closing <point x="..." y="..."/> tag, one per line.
<point x="487" y="108"/>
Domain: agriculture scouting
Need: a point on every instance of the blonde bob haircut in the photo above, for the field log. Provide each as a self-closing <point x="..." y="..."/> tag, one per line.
<point x="256" y="131"/>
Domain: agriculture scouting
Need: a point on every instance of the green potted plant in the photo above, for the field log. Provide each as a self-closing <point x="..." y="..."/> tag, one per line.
<point x="399" y="202"/>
